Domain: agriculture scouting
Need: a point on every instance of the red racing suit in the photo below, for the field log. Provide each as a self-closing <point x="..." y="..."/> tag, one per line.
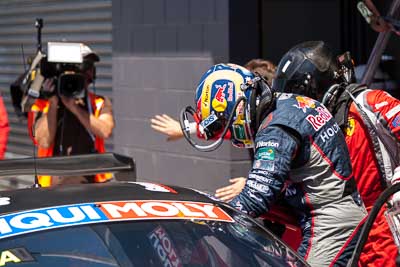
<point x="42" y="105"/>
<point x="380" y="249"/>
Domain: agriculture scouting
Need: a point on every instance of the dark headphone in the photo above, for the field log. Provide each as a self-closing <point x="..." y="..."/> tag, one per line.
<point x="262" y="101"/>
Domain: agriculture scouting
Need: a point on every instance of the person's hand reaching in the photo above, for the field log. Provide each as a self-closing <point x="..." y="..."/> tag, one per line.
<point x="227" y="193"/>
<point x="168" y="126"/>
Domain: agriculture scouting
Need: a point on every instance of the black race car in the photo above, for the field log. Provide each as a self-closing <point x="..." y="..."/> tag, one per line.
<point x="125" y="223"/>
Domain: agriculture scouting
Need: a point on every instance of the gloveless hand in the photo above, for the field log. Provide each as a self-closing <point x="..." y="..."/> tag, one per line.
<point x="168" y="126"/>
<point x="70" y="104"/>
<point x="227" y="193"/>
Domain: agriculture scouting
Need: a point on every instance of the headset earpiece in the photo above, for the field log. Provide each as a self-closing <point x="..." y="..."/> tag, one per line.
<point x="266" y="99"/>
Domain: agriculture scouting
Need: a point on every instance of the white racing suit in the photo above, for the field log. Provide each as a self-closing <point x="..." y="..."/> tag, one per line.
<point x="300" y="148"/>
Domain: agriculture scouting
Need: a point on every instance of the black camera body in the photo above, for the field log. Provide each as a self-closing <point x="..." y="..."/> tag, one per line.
<point x="65" y="65"/>
<point x="69" y="79"/>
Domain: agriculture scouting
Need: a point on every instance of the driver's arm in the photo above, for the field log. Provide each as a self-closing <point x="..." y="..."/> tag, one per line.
<point x="275" y="150"/>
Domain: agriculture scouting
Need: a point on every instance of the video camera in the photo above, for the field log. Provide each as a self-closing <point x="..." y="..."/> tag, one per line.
<point x="66" y="63"/>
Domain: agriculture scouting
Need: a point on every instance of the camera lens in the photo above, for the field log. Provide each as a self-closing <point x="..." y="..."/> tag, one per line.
<point x="71" y="84"/>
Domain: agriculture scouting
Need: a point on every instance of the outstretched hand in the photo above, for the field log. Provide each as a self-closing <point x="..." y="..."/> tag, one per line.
<point x="227" y="193"/>
<point x="168" y="126"/>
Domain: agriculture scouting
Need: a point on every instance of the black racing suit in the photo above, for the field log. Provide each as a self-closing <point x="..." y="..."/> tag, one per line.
<point x="300" y="148"/>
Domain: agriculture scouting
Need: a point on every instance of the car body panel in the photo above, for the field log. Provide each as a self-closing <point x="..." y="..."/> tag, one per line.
<point x="128" y="224"/>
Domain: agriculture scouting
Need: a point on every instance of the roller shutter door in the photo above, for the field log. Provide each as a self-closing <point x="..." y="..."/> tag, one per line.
<point x="86" y="21"/>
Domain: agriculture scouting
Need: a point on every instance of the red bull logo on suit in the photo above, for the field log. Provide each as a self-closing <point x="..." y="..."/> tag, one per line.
<point x="320" y="119"/>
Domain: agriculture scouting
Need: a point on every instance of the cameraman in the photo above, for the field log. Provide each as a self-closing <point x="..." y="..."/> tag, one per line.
<point x="71" y="126"/>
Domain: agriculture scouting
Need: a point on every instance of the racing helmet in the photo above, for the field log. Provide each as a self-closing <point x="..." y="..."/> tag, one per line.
<point x="226" y="101"/>
<point x="309" y="69"/>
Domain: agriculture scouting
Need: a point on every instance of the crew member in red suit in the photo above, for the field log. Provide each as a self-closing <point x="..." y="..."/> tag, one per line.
<point x="311" y="69"/>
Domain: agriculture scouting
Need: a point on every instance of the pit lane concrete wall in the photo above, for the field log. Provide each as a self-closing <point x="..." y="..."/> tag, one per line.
<point x="160" y="50"/>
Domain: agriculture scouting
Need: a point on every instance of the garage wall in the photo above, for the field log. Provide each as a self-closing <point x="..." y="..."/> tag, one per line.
<point x="160" y="50"/>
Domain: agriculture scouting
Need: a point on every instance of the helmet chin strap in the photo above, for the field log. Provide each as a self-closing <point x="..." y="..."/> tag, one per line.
<point x="184" y="122"/>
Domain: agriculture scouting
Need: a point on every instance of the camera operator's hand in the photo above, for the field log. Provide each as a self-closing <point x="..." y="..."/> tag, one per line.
<point x="101" y="126"/>
<point x="70" y="104"/>
<point x="46" y="124"/>
<point x="49" y="90"/>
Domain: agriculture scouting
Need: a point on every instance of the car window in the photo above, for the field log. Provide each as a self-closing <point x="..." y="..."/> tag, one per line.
<point x="151" y="243"/>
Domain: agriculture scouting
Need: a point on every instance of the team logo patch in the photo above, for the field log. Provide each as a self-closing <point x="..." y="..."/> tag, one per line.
<point x="267" y="144"/>
<point x="264" y="164"/>
<point x="396" y="121"/>
<point x="304" y="102"/>
<point x="266" y="153"/>
<point x="319" y="120"/>
<point x="223" y="95"/>
<point x="351" y="125"/>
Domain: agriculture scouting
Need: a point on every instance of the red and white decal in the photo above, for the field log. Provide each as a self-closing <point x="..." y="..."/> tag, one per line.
<point x="164" y="247"/>
<point x="220" y="95"/>
<point x="163" y="209"/>
<point x="157" y="187"/>
<point x="230" y="91"/>
<point x="320" y="119"/>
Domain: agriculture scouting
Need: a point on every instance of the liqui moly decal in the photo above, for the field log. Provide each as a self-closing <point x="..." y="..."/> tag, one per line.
<point x="163" y="210"/>
<point x="42" y="219"/>
<point x="63" y="216"/>
<point x="320" y="119"/>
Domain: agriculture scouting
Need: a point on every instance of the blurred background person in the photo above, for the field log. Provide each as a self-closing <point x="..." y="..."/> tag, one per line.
<point x="66" y="125"/>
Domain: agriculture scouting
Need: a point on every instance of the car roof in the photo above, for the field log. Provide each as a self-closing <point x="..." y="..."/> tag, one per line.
<point x="34" y="198"/>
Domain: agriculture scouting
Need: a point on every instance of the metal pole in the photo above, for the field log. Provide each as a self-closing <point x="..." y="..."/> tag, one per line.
<point x="378" y="49"/>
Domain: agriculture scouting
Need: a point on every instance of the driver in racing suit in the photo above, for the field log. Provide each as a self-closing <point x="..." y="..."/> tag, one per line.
<point x="298" y="147"/>
<point x="313" y="64"/>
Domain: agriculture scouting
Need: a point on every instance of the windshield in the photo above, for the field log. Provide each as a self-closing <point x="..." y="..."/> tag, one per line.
<point x="150" y="243"/>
